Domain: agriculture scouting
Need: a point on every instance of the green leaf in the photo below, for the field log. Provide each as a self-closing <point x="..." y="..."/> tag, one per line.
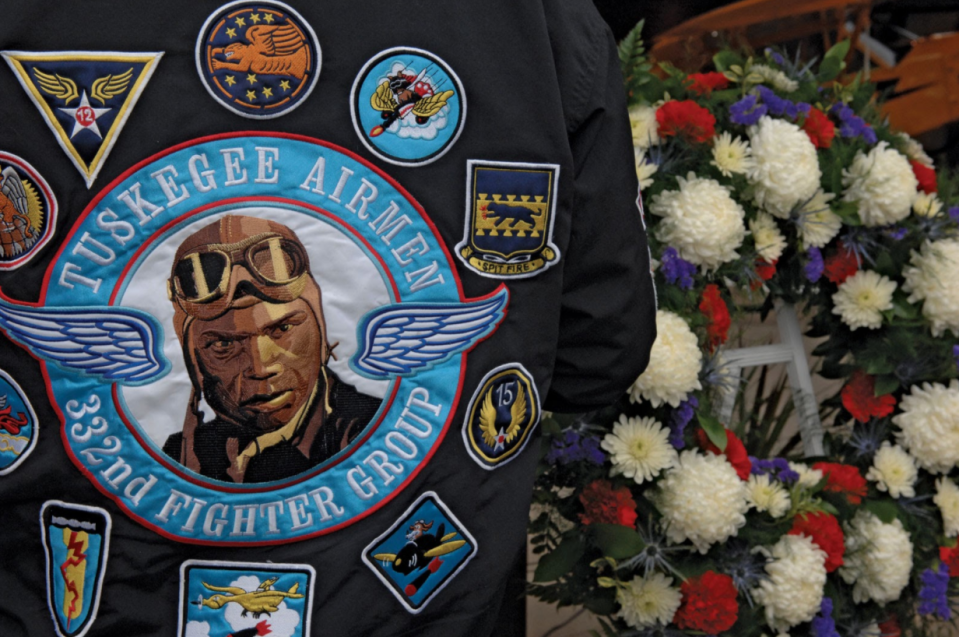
<point x="617" y="541"/>
<point x="886" y="384"/>
<point x="714" y="429"/>
<point x="830" y="69"/>
<point x="601" y="605"/>
<point x="828" y="508"/>
<point x="883" y="509"/>
<point x="839" y="51"/>
<point x="561" y="561"/>
<point x="606" y="582"/>
<point x="725" y="59"/>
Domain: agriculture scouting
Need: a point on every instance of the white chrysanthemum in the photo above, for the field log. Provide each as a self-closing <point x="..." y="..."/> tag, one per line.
<point x="894" y="471"/>
<point x="775" y="78"/>
<point x="646" y="602"/>
<point x="862" y="298"/>
<point x="818" y="224"/>
<point x="947" y="499"/>
<point x="808" y="477"/>
<point x="645" y="128"/>
<point x="786" y="167"/>
<point x="926" y="205"/>
<point x="878" y="558"/>
<point x="929" y="425"/>
<point x="767" y="495"/>
<point x="769" y="241"/>
<point x="797" y="574"/>
<point x="931" y="278"/>
<point x="702" y="500"/>
<point x="674" y="363"/>
<point x="882" y="183"/>
<point x="639" y="448"/>
<point x="914" y="150"/>
<point x="645" y="169"/>
<point x="701" y="220"/>
<point x="731" y="156"/>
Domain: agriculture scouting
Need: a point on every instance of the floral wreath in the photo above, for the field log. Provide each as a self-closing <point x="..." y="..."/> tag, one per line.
<point x="769" y="180"/>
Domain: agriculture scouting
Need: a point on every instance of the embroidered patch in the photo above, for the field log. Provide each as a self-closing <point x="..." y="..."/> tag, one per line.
<point x="245" y="599"/>
<point x="18" y="425"/>
<point x="503" y="412"/>
<point x="421" y="552"/>
<point x="28" y="212"/>
<point x="76" y="540"/>
<point x="85" y="97"/>
<point x="220" y="414"/>
<point x="510" y="211"/>
<point x="408" y="106"/>
<point x="258" y="59"/>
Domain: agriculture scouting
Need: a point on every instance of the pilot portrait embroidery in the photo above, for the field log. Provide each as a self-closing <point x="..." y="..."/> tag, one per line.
<point x="419" y="555"/>
<point x="18" y="425"/>
<point x="408" y="106"/>
<point x="85" y="97"/>
<point x="28" y="212"/>
<point x="501" y="416"/>
<point x="258" y="59"/>
<point x="245" y="599"/>
<point x="76" y="541"/>
<point x="510" y="212"/>
<point x="252" y="339"/>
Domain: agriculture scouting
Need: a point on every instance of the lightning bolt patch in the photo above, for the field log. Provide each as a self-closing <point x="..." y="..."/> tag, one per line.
<point x="76" y="539"/>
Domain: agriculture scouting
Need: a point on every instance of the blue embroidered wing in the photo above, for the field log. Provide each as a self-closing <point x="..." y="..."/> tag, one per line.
<point x="117" y="345"/>
<point x="405" y="338"/>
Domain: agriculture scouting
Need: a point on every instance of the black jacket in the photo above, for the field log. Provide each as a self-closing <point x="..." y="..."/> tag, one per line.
<point x="543" y="86"/>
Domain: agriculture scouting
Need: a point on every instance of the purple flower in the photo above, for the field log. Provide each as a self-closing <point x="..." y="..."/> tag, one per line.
<point x="574" y="448"/>
<point x="896" y="233"/>
<point x="815" y="266"/>
<point x="934" y="593"/>
<point x="777" y="468"/>
<point x="955" y="354"/>
<point x="824" y="625"/>
<point x="747" y="111"/>
<point x="852" y="125"/>
<point x="678" y="420"/>
<point x="954" y="213"/>
<point x="676" y="269"/>
<point x="778" y="59"/>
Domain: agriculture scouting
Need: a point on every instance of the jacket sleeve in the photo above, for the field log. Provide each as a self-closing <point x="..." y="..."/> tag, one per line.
<point x="608" y="315"/>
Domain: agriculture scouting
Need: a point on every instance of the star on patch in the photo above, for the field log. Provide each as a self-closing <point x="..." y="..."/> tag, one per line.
<point x="85" y="97"/>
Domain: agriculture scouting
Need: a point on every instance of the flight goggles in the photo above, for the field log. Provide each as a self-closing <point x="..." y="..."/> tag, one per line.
<point x="204" y="284"/>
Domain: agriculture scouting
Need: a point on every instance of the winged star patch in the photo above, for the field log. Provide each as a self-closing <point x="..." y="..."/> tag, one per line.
<point x="253" y="339"/>
<point x="408" y="106"/>
<point x="85" y="97"/>
<point x="501" y="416"/>
<point x="510" y="212"/>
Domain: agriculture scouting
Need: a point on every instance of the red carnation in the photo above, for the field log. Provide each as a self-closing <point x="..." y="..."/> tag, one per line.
<point x="890" y="627"/>
<point x="714" y="309"/>
<point x="926" y="177"/>
<point x="706" y="83"/>
<point x="950" y="557"/>
<point x="820" y="128"/>
<point x="844" y="479"/>
<point x="709" y="604"/>
<point x="823" y="529"/>
<point x="686" y="118"/>
<point x="859" y="398"/>
<point x="841" y="264"/>
<point x="604" y="505"/>
<point x="735" y="452"/>
<point x="766" y="269"/>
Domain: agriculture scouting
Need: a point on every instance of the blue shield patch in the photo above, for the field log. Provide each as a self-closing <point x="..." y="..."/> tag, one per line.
<point x="76" y="539"/>
<point x="245" y="599"/>
<point x="421" y="552"/>
<point x="510" y="212"/>
<point x="18" y="425"/>
<point x="84" y="96"/>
